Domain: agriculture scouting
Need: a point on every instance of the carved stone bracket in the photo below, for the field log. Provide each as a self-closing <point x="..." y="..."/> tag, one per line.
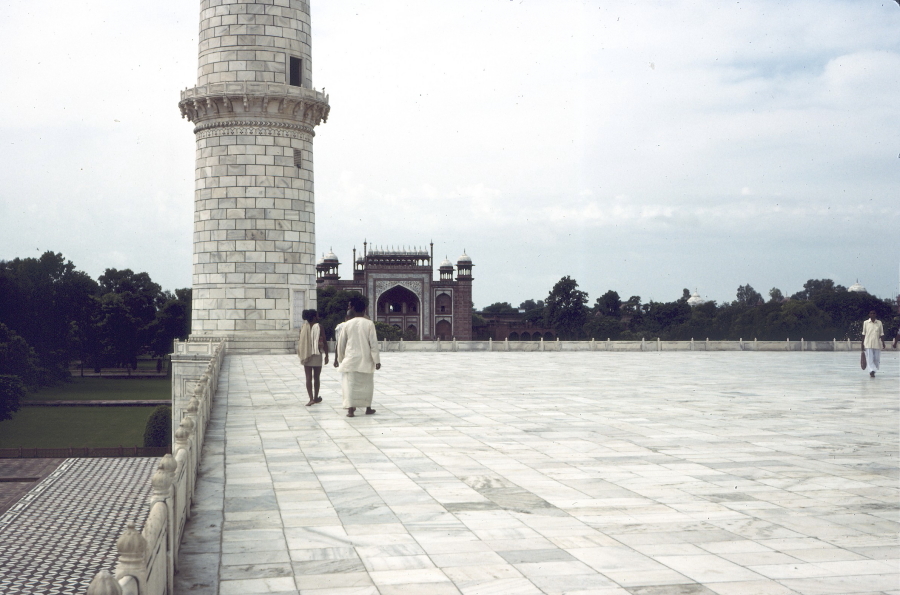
<point x="265" y="100"/>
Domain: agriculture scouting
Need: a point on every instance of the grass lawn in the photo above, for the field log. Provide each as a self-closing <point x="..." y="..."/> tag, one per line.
<point x="102" y="389"/>
<point x="60" y="427"/>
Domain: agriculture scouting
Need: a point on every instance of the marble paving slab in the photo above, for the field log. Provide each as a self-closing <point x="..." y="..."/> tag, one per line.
<point x="556" y="473"/>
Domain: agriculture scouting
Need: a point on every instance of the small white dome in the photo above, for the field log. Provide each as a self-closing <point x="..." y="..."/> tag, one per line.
<point x="464" y="259"/>
<point x="331" y="256"/>
<point x="856" y="287"/>
<point x="446" y="263"/>
<point x="321" y="259"/>
<point x="695" y="299"/>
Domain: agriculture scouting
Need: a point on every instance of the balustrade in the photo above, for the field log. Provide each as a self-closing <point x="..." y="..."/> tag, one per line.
<point x="148" y="559"/>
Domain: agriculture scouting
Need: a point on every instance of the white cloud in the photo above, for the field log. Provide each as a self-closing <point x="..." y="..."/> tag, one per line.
<point x="535" y="135"/>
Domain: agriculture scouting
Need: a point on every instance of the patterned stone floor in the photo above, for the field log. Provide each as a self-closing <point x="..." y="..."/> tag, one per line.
<point x="576" y="473"/>
<point x="64" y="530"/>
<point x="18" y="476"/>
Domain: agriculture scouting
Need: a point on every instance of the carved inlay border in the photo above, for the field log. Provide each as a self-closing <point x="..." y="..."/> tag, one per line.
<point x="239" y="128"/>
<point x="382" y="285"/>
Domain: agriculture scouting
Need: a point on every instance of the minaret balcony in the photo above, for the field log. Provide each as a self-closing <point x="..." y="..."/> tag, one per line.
<point x="254" y="99"/>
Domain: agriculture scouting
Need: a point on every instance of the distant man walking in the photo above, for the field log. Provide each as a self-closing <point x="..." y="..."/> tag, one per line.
<point x="357" y="356"/>
<point x="873" y="335"/>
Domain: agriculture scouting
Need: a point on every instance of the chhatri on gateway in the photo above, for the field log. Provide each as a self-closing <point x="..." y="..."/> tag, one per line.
<point x="255" y="110"/>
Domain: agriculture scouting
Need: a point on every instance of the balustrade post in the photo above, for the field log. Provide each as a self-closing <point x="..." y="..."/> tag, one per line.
<point x="183" y="438"/>
<point x="164" y="491"/>
<point x="132" y="557"/>
<point x="104" y="584"/>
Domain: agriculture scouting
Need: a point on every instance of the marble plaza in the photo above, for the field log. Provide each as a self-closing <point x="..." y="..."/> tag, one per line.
<point x="513" y="473"/>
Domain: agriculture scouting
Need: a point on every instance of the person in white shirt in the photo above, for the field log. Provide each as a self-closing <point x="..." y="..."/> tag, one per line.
<point x="357" y="358"/>
<point x="873" y="336"/>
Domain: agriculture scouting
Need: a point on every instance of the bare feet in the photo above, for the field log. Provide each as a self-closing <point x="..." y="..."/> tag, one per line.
<point x="350" y="412"/>
<point x="370" y="411"/>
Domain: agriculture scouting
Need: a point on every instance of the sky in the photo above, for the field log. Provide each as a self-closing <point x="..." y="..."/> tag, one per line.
<point x="643" y="147"/>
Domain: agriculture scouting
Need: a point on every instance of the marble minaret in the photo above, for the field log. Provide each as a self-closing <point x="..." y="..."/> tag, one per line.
<point x="254" y="111"/>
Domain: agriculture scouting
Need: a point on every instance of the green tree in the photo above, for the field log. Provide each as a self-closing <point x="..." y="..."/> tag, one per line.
<point x="775" y="295"/>
<point x="609" y="304"/>
<point x="815" y="287"/>
<point x="173" y="321"/>
<point x="332" y="306"/>
<point x="42" y="300"/>
<point x="529" y="305"/>
<point x="158" y="431"/>
<point x="500" y="308"/>
<point x="387" y="331"/>
<point x="129" y="305"/>
<point x="847" y="307"/>
<point x="685" y="295"/>
<point x="798" y="319"/>
<point x="565" y="310"/>
<point x="659" y="318"/>
<point x="17" y="358"/>
<point x="601" y="328"/>
<point x="120" y="332"/>
<point x="747" y="296"/>
<point x="12" y="391"/>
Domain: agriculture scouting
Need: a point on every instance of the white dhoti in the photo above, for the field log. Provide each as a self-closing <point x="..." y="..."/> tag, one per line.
<point x="873" y="360"/>
<point x="358" y="388"/>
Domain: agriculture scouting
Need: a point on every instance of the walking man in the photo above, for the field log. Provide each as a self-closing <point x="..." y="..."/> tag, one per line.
<point x="357" y="356"/>
<point x="873" y="335"/>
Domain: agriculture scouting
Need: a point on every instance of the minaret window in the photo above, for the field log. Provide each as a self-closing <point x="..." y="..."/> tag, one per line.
<point x="296" y="72"/>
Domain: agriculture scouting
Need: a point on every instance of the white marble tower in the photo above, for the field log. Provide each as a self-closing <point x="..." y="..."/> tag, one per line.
<point x="254" y="109"/>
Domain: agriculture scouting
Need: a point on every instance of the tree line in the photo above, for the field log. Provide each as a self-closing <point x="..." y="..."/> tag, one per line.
<point x="821" y="311"/>
<point x="52" y="314"/>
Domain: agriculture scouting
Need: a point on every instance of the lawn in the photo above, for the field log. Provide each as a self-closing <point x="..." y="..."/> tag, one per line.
<point x="102" y="389"/>
<point x="60" y="427"/>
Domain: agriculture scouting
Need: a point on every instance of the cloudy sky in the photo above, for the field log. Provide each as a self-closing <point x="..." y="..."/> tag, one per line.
<point x="643" y="147"/>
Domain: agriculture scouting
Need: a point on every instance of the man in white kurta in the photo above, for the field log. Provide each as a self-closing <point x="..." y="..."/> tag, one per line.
<point x="873" y="342"/>
<point x="357" y="352"/>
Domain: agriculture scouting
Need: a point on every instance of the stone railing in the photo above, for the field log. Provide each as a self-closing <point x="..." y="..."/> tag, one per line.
<point x="253" y="88"/>
<point x="148" y="559"/>
<point x="643" y="345"/>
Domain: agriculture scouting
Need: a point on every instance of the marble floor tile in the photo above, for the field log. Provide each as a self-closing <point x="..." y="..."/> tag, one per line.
<point x="509" y="473"/>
